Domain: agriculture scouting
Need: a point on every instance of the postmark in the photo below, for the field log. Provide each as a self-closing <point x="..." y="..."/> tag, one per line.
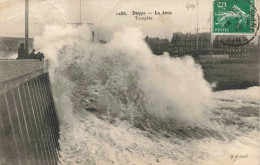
<point x="236" y="21"/>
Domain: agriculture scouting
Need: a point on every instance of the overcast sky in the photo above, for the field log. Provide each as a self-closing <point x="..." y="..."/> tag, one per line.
<point x="102" y="13"/>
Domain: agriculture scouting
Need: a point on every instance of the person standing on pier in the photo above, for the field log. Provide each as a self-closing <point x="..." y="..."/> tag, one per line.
<point x="32" y="54"/>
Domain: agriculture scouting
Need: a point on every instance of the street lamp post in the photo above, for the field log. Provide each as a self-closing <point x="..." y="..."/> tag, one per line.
<point x="197" y="36"/>
<point x="26" y="26"/>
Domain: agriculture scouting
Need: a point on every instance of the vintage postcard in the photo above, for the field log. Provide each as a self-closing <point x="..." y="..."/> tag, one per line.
<point x="129" y="82"/>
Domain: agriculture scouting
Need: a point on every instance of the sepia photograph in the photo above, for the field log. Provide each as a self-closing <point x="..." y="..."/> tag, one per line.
<point x="129" y="82"/>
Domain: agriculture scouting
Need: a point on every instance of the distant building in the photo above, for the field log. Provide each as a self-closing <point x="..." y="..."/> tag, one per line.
<point x="158" y="46"/>
<point x="186" y="44"/>
<point x="258" y="42"/>
<point x="182" y="44"/>
<point x="11" y="44"/>
<point x="233" y="51"/>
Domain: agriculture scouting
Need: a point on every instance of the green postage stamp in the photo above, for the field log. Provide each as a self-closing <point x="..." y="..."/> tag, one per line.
<point x="234" y="16"/>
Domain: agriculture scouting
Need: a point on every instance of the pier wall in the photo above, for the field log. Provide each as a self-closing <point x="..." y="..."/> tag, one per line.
<point x="29" y="126"/>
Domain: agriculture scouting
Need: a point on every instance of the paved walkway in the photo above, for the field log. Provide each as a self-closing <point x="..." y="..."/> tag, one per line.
<point x="10" y="69"/>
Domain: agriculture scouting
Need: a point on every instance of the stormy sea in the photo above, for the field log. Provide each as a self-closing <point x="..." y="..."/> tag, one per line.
<point x="120" y="104"/>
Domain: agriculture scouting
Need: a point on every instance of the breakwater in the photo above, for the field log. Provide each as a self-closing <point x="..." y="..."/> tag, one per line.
<point x="29" y="126"/>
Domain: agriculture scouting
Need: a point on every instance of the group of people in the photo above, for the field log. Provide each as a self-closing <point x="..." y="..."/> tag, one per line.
<point x="39" y="55"/>
<point x="23" y="55"/>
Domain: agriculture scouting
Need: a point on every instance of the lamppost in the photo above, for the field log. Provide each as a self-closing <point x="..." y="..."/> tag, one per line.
<point x="80" y="22"/>
<point x="26" y="26"/>
<point x="197" y="36"/>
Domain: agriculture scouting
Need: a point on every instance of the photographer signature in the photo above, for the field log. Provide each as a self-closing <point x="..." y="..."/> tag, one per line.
<point x="236" y="157"/>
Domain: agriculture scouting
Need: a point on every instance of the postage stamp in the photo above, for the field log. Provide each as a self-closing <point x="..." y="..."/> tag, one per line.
<point x="234" y="16"/>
